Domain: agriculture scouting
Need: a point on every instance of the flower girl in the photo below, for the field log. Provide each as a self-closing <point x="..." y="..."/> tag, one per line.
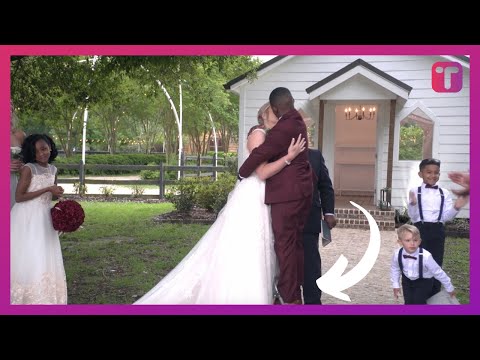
<point x="37" y="273"/>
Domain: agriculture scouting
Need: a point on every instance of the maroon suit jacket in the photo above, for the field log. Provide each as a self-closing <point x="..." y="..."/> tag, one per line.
<point x="294" y="182"/>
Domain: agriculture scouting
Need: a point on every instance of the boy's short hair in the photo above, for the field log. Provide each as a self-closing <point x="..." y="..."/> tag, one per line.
<point x="429" y="161"/>
<point x="408" y="228"/>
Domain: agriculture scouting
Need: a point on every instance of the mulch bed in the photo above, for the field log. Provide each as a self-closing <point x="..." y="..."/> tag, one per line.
<point x="195" y="216"/>
<point x="456" y="228"/>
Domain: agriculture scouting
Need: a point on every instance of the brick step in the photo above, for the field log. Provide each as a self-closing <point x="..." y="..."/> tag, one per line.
<point x="355" y="219"/>
<point x="357" y="214"/>
<point x="363" y="224"/>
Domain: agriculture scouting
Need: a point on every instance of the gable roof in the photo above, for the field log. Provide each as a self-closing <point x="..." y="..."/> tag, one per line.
<point x="463" y="58"/>
<point x="272" y="61"/>
<point x="266" y="64"/>
<point x="353" y="65"/>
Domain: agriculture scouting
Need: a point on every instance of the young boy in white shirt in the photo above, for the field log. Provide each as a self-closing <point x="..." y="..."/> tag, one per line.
<point x="416" y="267"/>
<point x="429" y="207"/>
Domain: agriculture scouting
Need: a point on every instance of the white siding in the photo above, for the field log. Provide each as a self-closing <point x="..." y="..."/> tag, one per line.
<point x="450" y="111"/>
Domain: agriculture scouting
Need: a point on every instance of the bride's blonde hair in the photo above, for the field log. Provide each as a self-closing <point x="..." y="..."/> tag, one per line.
<point x="261" y="112"/>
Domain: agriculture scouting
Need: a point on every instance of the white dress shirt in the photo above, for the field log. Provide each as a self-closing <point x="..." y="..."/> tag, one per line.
<point x="431" y="201"/>
<point x="410" y="269"/>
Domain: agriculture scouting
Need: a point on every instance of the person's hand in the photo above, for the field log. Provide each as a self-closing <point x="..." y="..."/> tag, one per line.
<point x="56" y="190"/>
<point x="15" y="165"/>
<point x="396" y="292"/>
<point x="413" y="198"/>
<point x="295" y="148"/>
<point x="461" y="201"/>
<point x="453" y="294"/>
<point x="330" y="220"/>
<point x="462" y="179"/>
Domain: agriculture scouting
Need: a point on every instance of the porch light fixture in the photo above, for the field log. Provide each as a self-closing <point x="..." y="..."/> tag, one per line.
<point x="360" y="115"/>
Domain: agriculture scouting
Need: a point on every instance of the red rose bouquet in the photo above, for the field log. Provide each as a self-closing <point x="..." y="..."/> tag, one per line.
<point x="67" y="216"/>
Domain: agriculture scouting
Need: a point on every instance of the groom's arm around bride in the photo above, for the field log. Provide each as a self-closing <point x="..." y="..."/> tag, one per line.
<point x="294" y="181"/>
<point x="289" y="192"/>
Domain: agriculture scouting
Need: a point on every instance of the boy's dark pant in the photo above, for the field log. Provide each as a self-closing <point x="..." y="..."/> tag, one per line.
<point x="433" y="240"/>
<point x="416" y="291"/>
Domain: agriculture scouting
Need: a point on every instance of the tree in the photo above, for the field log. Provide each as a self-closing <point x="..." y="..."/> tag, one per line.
<point x="111" y="107"/>
<point x="59" y="88"/>
<point x="207" y="96"/>
<point x="144" y="113"/>
<point x="411" y="142"/>
<point x="56" y="88"/>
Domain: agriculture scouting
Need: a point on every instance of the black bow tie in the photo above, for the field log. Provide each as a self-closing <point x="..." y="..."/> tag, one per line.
<point x="428" y="186"/>
<point x="409" y="257"/>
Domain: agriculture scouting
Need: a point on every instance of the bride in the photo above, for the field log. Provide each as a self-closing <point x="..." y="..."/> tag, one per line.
<point x="234" y="262"/>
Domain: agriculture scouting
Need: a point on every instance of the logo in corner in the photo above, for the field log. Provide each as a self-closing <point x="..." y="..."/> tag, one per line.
<point x="447" y="76"/>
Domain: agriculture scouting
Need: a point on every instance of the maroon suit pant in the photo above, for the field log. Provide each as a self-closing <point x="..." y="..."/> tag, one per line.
<point x="288" y="221"/>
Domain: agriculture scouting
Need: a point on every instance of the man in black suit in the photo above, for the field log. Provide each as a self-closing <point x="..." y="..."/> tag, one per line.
<point x="323" y="201"/>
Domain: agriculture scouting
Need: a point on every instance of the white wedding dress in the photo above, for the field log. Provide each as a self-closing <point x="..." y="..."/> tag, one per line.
<point x="37" y="274"/>
<point x="233" y="263"/>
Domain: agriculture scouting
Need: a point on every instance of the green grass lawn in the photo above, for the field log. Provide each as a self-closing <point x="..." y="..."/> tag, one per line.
<point x="121" y="253"/>
<point x="456" y="264"/>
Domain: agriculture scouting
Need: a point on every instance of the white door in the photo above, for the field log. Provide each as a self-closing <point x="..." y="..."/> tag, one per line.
<point x="354" y="150"/>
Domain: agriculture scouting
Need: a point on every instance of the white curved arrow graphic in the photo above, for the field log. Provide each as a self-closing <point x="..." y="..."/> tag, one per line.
<point x="333" y="283"/>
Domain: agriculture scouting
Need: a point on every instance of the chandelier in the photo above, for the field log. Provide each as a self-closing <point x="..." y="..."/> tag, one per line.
<point x="360" y="114"/>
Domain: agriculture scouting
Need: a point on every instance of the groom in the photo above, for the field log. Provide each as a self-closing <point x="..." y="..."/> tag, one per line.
<point x="289" y="192"/>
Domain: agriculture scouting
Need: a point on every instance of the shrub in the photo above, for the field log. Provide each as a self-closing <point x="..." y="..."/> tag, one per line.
<point x="458" y="227"/>
<point x="182" y="195"/>
<point x="79" y="189"/>
<point x="206" y="193"/>
<point x="137" y="190"/>
<point x="150" y="174"/>
<point x="401" y="217"/>
<point x="107" y="159"/>
<point x="107" y="191"/>
<point x="232" y="165"/>
<point x="222" y="187"/>
<point x="202" y="192"/>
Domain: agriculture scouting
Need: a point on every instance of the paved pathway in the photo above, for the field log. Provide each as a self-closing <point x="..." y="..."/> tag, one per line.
<point x="375" y="288"/>
<point x="95" y="189"/>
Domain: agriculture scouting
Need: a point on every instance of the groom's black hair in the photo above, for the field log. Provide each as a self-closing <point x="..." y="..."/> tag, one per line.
<point x="278" y="95"/>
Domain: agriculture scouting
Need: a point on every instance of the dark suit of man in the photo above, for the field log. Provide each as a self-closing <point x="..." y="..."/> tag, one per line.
<point x="323" y="200"/>
<point x="290" y="194"/>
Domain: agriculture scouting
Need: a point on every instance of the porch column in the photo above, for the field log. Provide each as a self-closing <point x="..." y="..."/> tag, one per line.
<point x="321" y="115"/>
<point x="391" y="129"/>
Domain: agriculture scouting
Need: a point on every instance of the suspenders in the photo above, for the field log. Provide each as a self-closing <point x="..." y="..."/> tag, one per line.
<point x="420" y="262"/>
<point x="419" y="200"/>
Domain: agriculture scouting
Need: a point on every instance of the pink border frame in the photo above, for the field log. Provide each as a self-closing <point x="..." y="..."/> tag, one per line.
<point x="7" y="50"/>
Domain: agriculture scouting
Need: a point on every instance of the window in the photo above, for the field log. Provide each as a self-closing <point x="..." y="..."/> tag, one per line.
<point x="416" y="137"/>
